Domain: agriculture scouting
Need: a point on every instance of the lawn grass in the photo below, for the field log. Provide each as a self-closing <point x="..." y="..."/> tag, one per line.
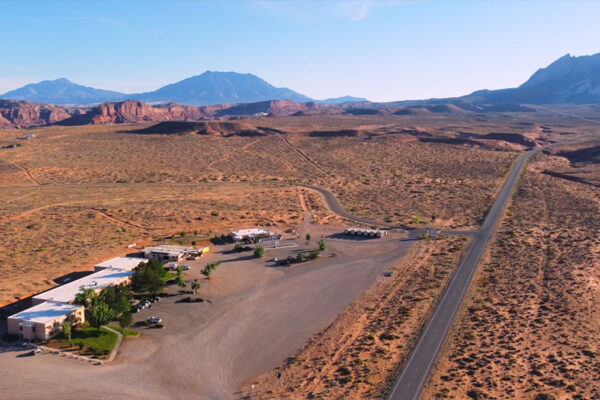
<point x="125" y="332"/>
<point x="102" y="341"/>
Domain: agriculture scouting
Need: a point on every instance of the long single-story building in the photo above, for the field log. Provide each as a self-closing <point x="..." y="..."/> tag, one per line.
<point x="44" y="320"/>
<point x="254" y="235"/>
<point x="97" y="281"/>
<point x="173" y="253"/>
<point x="124" y="263"/>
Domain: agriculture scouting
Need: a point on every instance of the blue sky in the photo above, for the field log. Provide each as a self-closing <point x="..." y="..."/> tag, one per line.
<point x="382" y="50"/>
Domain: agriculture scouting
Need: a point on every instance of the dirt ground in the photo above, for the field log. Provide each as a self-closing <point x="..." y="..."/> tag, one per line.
<point x="357" y="355"/>
<point x="530" y="327"/>
<point x="50" y="231"/>
<point x="74" y="196"/>
<point x="255" y="316"/>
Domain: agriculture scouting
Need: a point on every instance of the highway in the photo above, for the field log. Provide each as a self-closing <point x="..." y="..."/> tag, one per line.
<point x="424" y="354"/>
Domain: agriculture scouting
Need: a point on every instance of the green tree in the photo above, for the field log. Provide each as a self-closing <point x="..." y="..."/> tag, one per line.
<point x="182" y="234"/>
<point x="322" y="245"/>
<point x="118" y="298"/>
<point x="259" y="252"/>
<point x="149" y="277"/>
<point x="180" y="279"/>
<point x="207" y="271"/>
<point x="195" y="232"/>
<point x="300" y="257"/>
<point x="209" y="268"/>
<point x="86" y="297"/>
<point x="308" y="237"/>
<point x="99" y="314"/>
<point x="195" y="285"/>
<point x="66" y="330"/>
<point x="125" y="320"/>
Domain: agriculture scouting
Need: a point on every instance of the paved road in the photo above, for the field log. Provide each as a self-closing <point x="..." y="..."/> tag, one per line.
<point x="423" y="357"/>
<point x="335" y="207"/>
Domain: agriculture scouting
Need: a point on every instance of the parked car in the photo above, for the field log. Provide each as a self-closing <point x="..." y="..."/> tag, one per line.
<point x="36" y="351"/>
<point x="154" y="320"/>
<point x="185" y="267"/>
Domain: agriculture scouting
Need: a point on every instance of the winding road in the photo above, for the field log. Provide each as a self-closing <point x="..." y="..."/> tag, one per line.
<point x="424" y="354"/>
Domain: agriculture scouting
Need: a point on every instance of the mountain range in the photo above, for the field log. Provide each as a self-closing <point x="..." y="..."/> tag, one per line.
<point x="567" y="80"/>
<point x="211" y="87"/>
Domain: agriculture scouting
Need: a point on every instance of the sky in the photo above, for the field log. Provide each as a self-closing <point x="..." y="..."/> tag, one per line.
<point x="382" y="50"/>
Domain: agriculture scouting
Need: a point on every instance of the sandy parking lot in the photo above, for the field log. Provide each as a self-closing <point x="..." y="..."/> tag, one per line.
<point x="258" y="315"/>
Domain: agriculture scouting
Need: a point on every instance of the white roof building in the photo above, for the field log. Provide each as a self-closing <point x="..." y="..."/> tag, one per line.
<point x="44" y="320"/>
<point x="45" y="312"/>
<point x="97" y="281"/>
<point x="170" y="253"/>
<point x="124" y="263"/>
<point x="253" y="234"/>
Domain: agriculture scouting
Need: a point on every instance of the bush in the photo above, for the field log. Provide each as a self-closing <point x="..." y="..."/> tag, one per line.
<point x="238" y="247"/>
<point x="300" y="257"/>
<point x="259" y="252"/>
<point x="322" y="245"/>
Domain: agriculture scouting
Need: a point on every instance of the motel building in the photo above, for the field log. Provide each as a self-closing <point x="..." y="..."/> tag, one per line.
<point x="97" y="281"/>
<point x="51" y="309"/>
<point x="45" y="320"/>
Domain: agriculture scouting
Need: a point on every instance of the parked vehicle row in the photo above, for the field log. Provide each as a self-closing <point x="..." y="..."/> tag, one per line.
<point x="144" y="304"/>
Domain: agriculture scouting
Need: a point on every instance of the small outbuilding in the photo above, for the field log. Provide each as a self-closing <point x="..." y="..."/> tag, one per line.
<point x="254" y="235"/>
<point x="173" y="253"/>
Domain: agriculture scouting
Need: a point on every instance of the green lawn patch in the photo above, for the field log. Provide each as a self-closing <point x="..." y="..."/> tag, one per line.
<point x="91" y="341"/>
<point x="125" y="332"/>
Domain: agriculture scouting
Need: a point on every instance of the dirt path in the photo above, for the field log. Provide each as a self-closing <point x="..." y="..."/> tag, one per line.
<point x="302" y="154"/>
<point x="27" y="173"/>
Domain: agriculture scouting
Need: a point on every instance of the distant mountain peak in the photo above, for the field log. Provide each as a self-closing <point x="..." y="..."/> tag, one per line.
<point x="215" y="87"/>
<point x="569" y="79"/>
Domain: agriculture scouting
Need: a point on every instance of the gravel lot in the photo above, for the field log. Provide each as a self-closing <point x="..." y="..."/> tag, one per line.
<point x="257" y="316"/>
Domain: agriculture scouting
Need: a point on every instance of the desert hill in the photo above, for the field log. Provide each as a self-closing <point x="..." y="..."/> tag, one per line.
<point x="214" y="128"/>
<point x="17" y="114"/>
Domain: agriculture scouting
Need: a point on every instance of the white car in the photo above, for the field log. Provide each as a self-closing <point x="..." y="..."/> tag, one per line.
<point x="154" y="320"/>
<point x="36" y="351"/>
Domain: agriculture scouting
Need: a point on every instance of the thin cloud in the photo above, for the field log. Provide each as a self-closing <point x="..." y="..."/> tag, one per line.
<point x="306" y="11"/>
<point x="356" y="10"/>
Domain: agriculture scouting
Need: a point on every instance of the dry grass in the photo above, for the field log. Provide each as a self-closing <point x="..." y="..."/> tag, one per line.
<point x="48" y="232"/>
<point x="530" y="328"/>
<point x="357" y="355"/>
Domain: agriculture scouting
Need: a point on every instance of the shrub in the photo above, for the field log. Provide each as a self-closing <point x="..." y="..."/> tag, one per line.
<point x="259" y="252"/>
<point x="238" y="247"/>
